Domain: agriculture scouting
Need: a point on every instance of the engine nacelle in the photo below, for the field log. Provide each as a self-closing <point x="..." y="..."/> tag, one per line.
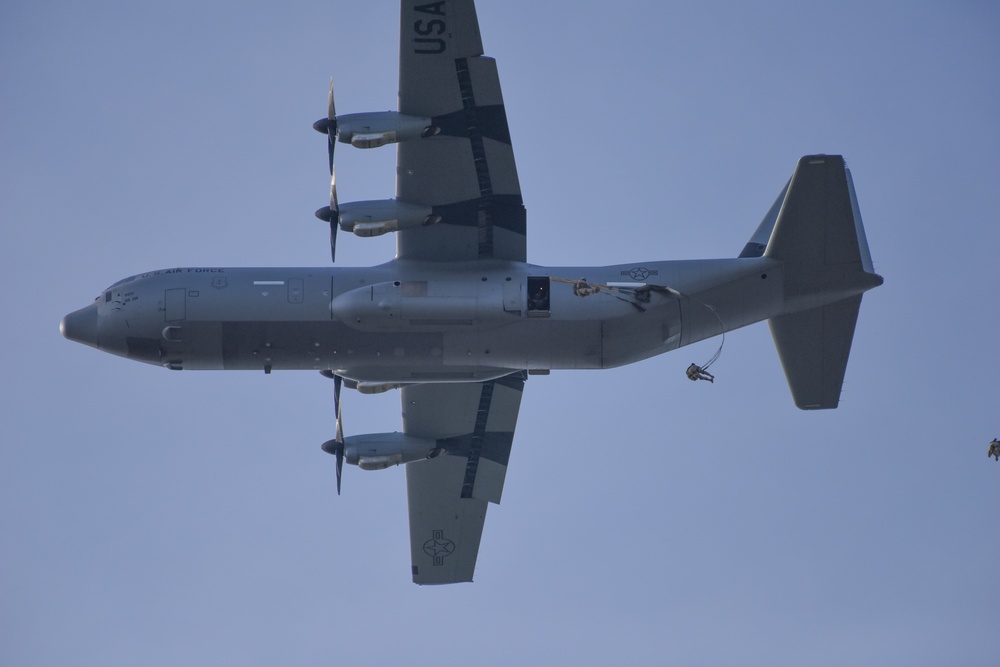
<point x="374" y="129"/>
<point x="377" y="451"/>
<point x="377" y="217"/>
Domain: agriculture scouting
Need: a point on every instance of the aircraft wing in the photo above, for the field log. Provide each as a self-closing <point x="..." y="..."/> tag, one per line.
<point x="473" y="423"/>
<point x="466" y="173"/>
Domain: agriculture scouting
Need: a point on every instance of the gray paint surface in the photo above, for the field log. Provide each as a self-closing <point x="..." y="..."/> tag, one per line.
<point x="863" y="540"/>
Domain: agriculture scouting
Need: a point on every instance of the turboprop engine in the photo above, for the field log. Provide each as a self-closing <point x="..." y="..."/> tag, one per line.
<point x="371" y="130"/>
<point x="378" y="128"/>
<point x="377" y="451"/>
<point x="377" y="217"/>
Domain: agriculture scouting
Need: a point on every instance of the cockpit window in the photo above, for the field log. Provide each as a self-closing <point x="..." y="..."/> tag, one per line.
<point x="123" y="281"/>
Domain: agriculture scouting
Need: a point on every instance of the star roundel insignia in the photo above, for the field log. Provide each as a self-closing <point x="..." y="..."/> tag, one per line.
<point x="639" y="273"/>
<point x="439" y="547"/>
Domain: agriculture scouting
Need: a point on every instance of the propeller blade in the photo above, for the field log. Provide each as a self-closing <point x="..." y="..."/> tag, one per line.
<point x="329" y="148"/>
<point x="339" y="438"/>
<point x="336" y="446"/>
<point x="334" y="214"/>
<point x="333" y="241"/>
<point x="337" y="382"/>
<point x="331" y="109"/>
<point x="331" y="124"/>
<point x="340" y="467"/>
<point x="328" y="125"/>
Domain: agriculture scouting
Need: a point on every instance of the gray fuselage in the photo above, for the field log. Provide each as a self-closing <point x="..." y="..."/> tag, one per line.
<point x="404" y="322"/>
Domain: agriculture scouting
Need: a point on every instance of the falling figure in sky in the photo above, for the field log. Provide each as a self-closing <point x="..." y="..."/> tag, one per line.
<point x="994" y="450"/>
<point x="696" y="372"/>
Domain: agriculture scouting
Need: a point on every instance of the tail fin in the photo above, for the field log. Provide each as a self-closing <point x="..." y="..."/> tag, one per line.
<point x="757" y="244"/>
<point x="819" y="238"/>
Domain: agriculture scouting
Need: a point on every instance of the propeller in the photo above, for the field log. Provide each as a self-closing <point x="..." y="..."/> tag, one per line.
<point x="328" y="125"/>
<point x="336" y="446"/>
<point x="331" y="214"/>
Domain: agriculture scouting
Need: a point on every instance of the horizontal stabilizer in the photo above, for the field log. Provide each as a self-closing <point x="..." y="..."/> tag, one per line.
<point x="813" y="347"/>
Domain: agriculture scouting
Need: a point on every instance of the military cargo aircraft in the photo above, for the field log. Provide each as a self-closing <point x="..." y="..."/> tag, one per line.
<point x="458" y="320"/>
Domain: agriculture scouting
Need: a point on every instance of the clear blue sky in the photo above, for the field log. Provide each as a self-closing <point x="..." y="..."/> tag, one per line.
<point x="158" y="518"/>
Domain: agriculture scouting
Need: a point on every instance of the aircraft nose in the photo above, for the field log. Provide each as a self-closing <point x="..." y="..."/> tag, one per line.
<point x="81" y="326"/>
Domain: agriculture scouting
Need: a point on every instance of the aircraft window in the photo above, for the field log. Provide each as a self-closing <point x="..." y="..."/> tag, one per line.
<point x="538" y="296"/>
<point x="107" y="297"/>
<point x="123" y="281"/>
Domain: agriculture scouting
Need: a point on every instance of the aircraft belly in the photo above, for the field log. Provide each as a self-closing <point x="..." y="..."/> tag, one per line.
<point x="191" y="346"/>
<point x="642" y="335"/>
<point x="446" y="330"/>
<point x="565" y="344"/>
<point x="743" y="299"/>
<point x="452" y="354"/>
<point x="324" y="345"/>
<point x="531" y="343"/>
